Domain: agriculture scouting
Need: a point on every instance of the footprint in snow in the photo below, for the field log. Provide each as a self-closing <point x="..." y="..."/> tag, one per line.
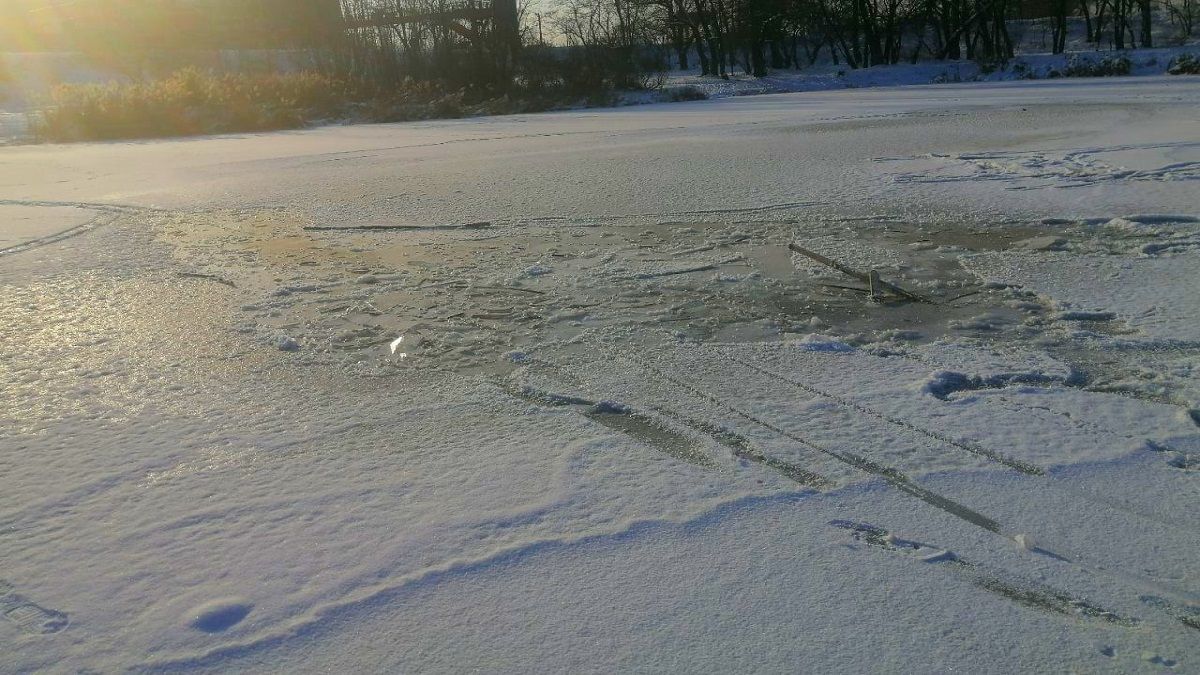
<point x="218" y="615"/>
<point x="29" y="616"/>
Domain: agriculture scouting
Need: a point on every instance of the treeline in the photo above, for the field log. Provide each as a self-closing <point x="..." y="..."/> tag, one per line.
<point x="390" y="60"/>
<point x="493" y="48"/>
<point x="461" y="41"/>
<point x="576" y="45"/>
<point x="756" y="35"/>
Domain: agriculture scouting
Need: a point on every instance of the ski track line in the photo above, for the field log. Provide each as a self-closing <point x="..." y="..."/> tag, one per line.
<point x="1028" y="594"/>
<point x="1043" y="598"/>
<point x="991" y="455"/>
<point x="1023" y="592"/>
<point x="744" y="448"/>
<point x="741" y="446"/>
<point x="615" y="417"/>
<point x="113" y="211"/>
<point x="905" y="484"/>
<point x="97" y="221"/>
<point x="889" y="474"/>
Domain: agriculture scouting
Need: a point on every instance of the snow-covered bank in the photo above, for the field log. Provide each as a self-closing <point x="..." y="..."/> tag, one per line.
<point x="822" y="77"/>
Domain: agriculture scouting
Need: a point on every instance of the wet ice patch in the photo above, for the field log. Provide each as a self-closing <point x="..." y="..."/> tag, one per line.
<point x="518" y="357"/>
<point x="945" y="382"/>
<point x="1045" y="243"/>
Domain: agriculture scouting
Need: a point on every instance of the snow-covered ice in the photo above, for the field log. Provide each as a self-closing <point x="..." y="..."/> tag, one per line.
<point x="622" y="427"/>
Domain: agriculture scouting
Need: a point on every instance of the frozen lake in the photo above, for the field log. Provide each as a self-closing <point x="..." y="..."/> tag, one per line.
<point x="552" y="392"/>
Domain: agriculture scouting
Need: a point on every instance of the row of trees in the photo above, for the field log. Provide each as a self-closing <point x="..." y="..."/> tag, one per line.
<point x="462" y="41"/>
<point x="591" y="43"/>
<point x="756" y="35"/>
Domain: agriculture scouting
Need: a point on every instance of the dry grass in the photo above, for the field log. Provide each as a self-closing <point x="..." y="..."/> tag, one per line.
<point x="193" y="102"/>
<point x="190" y="102"/>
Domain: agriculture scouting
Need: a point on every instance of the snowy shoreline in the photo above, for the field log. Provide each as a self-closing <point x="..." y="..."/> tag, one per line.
<point x="825" y="77"/>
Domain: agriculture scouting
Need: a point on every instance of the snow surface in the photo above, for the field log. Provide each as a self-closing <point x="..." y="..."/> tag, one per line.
<point x="626" y="428"/>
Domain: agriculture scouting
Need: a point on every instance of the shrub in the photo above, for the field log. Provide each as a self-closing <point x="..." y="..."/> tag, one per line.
<point x="192" y="102"/>
<point x="1022" y="71"/>
<point x="989" y="66"/>
<point x="590" y="73"/>
<point x="1109" y="66"/>
<point x="686" y="93"/>
<point x="195" y="102"/>
<point x="1184" y="64"/>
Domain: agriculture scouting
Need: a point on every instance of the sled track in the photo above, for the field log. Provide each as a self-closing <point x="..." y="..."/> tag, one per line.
<point x="1029" y="594"/>
<point x="623" y="420"/>
<point x="744" y="448"/>
<point x="991" y="455"/>
<point x="904" y="484"/>
<point x="739" y="445"/>
<point x="1021" y="591"/>
<point x="1025" y="468"/>
<point x="105" y="215"/>
<point x="892" y="476"/>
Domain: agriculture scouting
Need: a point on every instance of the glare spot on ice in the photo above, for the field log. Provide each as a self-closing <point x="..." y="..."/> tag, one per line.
<point x="395" y="344"/>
